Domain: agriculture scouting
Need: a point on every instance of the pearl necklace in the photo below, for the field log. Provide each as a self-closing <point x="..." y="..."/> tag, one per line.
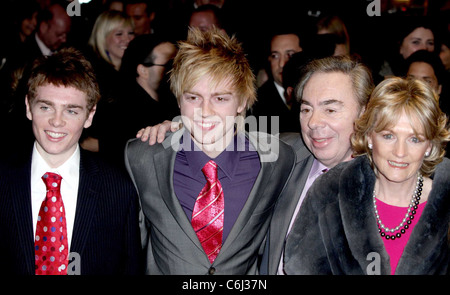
<point x="409" y="216"/>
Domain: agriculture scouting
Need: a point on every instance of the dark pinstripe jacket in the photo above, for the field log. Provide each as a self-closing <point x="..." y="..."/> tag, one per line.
<point x="106" y="230"/>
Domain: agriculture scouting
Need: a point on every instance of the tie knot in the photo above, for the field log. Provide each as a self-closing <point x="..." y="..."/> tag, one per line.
<point x="210" y="170"/>
<point x="52" y="180"/>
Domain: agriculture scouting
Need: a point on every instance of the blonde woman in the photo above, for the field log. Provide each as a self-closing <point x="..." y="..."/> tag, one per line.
<point x="111" y="35"/>
<point x="112" y="32"/>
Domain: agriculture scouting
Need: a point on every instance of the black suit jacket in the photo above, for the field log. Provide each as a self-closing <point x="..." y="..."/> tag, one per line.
<point x="271" y="104"/>
<point x="133" y="109"/>
<point x="106" y="227"/>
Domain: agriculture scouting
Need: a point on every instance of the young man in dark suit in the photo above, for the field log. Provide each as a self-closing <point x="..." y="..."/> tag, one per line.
<point x="84" y="221"/>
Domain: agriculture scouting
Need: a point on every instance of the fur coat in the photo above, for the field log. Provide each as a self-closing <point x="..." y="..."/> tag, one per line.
<point x="336" y="229"/>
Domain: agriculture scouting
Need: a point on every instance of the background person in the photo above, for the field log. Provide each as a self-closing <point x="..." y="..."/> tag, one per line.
<point x="272" y="99"/>
<point x="413" y="34"/>
<point x="145" y="98"/>
<point x="112" y="32"/>
<point x="143" y="14"/>
<point x="427" y="66"/>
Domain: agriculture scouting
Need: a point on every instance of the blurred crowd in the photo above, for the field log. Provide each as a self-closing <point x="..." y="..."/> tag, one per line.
<point x="131" y="45"/>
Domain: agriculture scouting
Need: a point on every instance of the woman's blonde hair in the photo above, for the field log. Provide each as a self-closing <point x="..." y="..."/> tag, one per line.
<point x="105" y="23"/>
<point x="216" y="55"/>
<point x="387" y="103"/>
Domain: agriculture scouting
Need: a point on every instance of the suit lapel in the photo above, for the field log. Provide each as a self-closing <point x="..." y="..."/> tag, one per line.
<point x="88" y="191"/>
<point x="263" y="179"/>
<point x="287" y="204"/>
<point x="165" y="161"/>
<point x="256" y="193"/>
<point x="20" y="194"/>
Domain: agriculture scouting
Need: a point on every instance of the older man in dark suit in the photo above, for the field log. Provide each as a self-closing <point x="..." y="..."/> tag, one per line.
<point x="332" y="93"/>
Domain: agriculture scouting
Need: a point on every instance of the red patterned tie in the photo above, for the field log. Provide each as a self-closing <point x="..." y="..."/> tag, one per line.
<point x="207" y="217"/>
<point x="51" y="248"/>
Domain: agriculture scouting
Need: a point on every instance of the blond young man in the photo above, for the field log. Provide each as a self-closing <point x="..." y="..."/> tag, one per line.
<point x="214" y="86"/>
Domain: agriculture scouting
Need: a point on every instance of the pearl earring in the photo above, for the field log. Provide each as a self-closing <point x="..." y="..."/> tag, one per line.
<point x="427" y="154"/>
<point x="370" y="146"/>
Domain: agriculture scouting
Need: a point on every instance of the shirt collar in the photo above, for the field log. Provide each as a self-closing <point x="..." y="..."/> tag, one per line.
<point x="44" y="49"/>
<point x="227" y="160"/>
<point x="317" y="168"/>
<point x="280" y="90"/>
<point x="69" y="170"/>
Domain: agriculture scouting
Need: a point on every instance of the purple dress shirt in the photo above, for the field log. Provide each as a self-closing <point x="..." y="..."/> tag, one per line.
<point x="238" y="169"/>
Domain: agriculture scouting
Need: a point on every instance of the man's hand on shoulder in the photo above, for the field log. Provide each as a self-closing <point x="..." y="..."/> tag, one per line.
<point x="157" y="133"/>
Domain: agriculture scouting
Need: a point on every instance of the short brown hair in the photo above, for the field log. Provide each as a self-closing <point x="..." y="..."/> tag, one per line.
<point x="69" y="68"/>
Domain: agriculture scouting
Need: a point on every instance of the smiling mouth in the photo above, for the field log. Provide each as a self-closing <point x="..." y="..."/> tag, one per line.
<point x="396" y="164"/>
<point x="205" y="125"/>
<point x="55" y="135"/>
<point x="320" y="142"/>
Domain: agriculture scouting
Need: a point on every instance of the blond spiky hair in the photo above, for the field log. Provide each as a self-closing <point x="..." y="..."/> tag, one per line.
<point x="216" y="55"/>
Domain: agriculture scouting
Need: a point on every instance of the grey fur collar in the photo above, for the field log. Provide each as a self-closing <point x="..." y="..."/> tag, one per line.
<point x="356" y="185"/>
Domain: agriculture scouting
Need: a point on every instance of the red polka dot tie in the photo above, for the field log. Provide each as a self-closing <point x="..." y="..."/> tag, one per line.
<point x="208" y="213"/>
<point x="51" y="248"/>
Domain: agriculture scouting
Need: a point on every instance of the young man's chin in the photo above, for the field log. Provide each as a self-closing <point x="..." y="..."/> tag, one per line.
<point x="55" y="148"/>
<point x="210" y="144"/>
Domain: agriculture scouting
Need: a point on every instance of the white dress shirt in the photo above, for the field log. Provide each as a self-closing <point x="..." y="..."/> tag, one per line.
<point x="44" y="49"/>
<point x="281" y="91"/>
<point x="70" y="172"/>
<point x="317" y="169"/>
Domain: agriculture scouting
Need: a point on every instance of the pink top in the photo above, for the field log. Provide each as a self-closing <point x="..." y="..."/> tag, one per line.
<point x="392" y="216"/>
